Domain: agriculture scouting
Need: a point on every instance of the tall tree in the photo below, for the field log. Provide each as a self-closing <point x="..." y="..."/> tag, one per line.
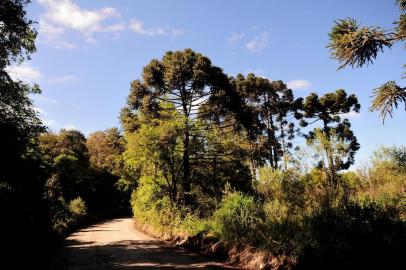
<point x="153" y="151"/>
<point x="105" y="150"/>
<point x="19" y="121"/>
<point x="86" y="168"/>
<point x="274" y="108"/>
<point x="68" y="162"/>
<point x="24" y="213"/>
<point x="356" y="46"/>
<point x="329" y="110"/>
<point x="186" y="80"/>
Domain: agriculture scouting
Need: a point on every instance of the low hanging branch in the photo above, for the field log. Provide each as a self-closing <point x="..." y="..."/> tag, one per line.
<point x="386" y="98"/>
<point x="355" y="46"/>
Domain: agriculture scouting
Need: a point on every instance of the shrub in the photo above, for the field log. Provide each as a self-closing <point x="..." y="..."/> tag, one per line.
<point x="62" y="225"/>
<point x="361" y="235"/>
<point x="387" y="175"/>
<point x="269" y="184"/>
<point x="239" y="219"/>
<point x="286" y="187"/>
<point x="285" y="228"/>
<point x="151" y="206"/>
<point x="276" y="210"/>
<point x="66" y="216"/>
<point x="77" y="208"/>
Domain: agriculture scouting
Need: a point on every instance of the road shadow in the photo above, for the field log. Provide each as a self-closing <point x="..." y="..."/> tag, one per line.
<point x="131" y="254"/>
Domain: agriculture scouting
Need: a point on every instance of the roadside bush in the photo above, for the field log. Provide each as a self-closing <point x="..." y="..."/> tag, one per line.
<point x="66" y="216"/>
<point x="151" y="207"/>
<point x="276" y="210"/>
<point x="239" y="219"/>
<point x="387" y="175"/>
<point x="357" y="230"/>
<point x="62" y="225"/>
<point x="77" y="208"/>
<point x="269" y="185"/>
<point x="59" y="215"/>
<point x="287" y="203"/>
<point x="286" y="188"/>
<point x="361" y="235"/>
<point x="145" y="202"/>
<point x="384" y="178"/>
<point x="282" y="227"/>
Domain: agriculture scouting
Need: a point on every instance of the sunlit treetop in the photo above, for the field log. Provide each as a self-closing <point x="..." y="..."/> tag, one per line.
<point x="387" y="97"/>
<point x="357" y="46"/>
<point x="330" y="106"/>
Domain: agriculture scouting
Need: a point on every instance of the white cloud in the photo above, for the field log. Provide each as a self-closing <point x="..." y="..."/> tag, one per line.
<point x="235" y="37"/>
<point x="53" y="124"/>
<point x="62" y="15"/>
<point x="138" y="27"/>
<point x="51" y="35"/>
<point x="49" y="29"/>
<point x="259" y="43"/>
<point x="67" y="14"/>
<point x="70" y="127"/>
<point x="90" y="39"/>
<point x="299" y="84"/>
<point x="62" y="79"/>
<point x="114" y="27"/>
<point x="24" y="72"/>
<point x="45" y="99"/>
<point x="48" y="122"/>
<point x="40" y="111"/>
<point x="351" y="114"/>
<point x="176" y="32"/>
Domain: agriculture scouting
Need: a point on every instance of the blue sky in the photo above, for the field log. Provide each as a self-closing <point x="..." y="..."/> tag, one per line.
<point x="89" y="51"/>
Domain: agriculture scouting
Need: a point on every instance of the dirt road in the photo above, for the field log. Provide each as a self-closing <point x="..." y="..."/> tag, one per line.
<point x="116" y="244"/>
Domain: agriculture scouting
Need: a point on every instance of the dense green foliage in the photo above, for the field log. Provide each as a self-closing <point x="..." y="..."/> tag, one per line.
<point x="238" y="218"/>
<point x="203" y="153"/>
<point x="47" y="184"/>
<point x="180" y="82"/>
<point x="79" y="169"/>
<point x="21" y="178"/>
<point x="272" y="105"/>
<point x="242" y="194"/>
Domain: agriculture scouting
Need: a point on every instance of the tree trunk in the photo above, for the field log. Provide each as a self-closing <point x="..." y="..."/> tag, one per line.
<point x="186" y="148"/>
<point x="252" y="164"/>
<point x="271" y="141"/>
<point x="283" y="146"/>
<point x="332" y="180"/>
<point x="274" y="145"/>
<point x="270" y="157"/>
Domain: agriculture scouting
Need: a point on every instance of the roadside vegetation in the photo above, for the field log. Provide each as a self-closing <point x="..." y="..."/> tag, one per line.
<point x="248" y="183"/>
<point x="240" y="160"/>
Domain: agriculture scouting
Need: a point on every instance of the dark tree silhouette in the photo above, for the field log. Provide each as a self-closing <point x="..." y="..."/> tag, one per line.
<point x="275" y="109"/>
<point x="24" y="212"/>
<point x="329" y="109"/>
